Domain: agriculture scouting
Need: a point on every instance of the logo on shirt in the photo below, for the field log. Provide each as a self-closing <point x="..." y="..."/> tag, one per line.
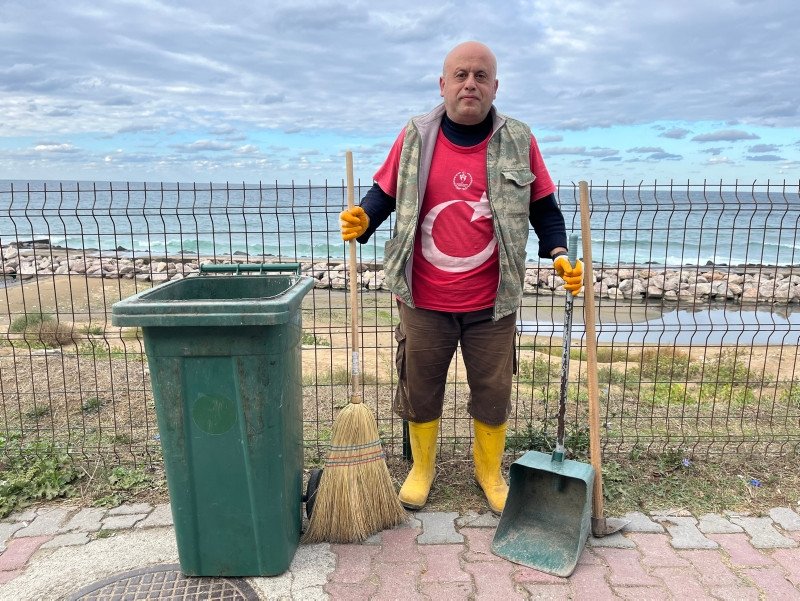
<point x="445" y="262"/>
<point x="462" y="180"/>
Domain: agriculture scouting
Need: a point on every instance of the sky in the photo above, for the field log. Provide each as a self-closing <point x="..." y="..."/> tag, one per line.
<point x="614" y="91"/>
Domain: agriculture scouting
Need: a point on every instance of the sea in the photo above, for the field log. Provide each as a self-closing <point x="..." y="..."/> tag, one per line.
<point x="665" y="225"/>
<point x="657" y="224"/>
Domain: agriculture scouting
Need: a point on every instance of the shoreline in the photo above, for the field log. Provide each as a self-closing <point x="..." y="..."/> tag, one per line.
<point x="746" y="285"/>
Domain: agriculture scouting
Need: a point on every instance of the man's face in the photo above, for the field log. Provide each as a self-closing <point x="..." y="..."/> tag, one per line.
<point x="468" y="83"/>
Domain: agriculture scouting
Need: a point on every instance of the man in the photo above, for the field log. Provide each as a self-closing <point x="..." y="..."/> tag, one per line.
<point x="465" y="182"/>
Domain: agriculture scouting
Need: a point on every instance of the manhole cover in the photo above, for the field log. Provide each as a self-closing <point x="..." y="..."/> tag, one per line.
<point x="165" y="582"/>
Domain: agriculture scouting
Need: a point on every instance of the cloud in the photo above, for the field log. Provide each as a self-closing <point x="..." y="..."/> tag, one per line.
<point x="725" y="135"/>
<point x="664" y="156"/>
<point x="763" y="148"/>
<point x="550" y="139"/>
<point x="203" y="146"/>
<point x="715" y="151"/>
<point x="764" y="157"/>
<point x="676" y="133"/>
<point x="646" y="149"/>
<point x="55" y="147"/>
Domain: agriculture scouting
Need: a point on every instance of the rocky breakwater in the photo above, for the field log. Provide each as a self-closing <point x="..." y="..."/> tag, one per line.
<point x="745" y="284"/>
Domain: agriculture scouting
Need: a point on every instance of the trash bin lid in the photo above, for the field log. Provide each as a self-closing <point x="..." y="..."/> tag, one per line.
<point x="215" y="300"/>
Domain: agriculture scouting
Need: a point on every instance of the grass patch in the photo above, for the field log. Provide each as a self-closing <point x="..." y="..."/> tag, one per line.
<point x="34" y="471"/>
<point x="338" y="377"/>
<point x="40" y="330"/>
<point x="310" y="339"/>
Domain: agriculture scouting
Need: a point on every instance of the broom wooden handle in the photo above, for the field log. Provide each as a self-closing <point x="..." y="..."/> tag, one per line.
<point x="591" y="353"/>
<point x="355" y="342"/>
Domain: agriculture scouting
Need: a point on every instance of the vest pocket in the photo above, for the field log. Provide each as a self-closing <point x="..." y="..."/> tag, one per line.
<point x="521" y="177"/>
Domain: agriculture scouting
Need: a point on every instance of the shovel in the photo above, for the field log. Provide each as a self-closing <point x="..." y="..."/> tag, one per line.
<point x="548" y="510"/>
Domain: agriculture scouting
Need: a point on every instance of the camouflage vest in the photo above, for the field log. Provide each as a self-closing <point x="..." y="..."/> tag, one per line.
<point x="509" y="183"/>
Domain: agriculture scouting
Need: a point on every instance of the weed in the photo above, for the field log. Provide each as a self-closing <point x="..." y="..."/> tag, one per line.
<point x="537" y="370"/>
<point x="41" y="330"/>
<point x="38" y="411"/>
<point x="33" y="471"/>
<point x="93" y="330"/>
<point x="104" y="533"/>
<point x="92" y="404"/>
<point x="100" y="350"/>
<point x="310" y="339"/>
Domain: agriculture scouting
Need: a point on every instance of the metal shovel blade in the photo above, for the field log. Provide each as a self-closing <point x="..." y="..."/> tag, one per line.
<point x="548" y="512"/>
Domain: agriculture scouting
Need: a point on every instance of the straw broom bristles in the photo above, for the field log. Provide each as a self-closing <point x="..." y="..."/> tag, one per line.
<point x="356" y="497"/>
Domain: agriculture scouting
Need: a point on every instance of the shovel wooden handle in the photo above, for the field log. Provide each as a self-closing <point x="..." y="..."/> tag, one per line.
<point x="355" y="342"/>
<point x="591" y="352"/>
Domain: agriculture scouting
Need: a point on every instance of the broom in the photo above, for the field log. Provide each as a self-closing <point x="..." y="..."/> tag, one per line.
<point x="356" y="497"/>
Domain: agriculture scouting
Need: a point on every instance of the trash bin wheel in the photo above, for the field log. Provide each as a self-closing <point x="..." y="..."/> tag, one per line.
<point x="311" y="490"/>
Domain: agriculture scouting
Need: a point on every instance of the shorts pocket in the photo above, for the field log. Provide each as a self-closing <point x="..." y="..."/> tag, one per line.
<point x="400" y="354"/>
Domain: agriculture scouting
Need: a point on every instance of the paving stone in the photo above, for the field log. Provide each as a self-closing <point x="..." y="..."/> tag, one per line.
<point x="740" y="551"/>
<point x="785" y="518"/>
<point x="639" y="522"/>
<point x="493" y="580"/>
<point x="443" y="564"/>
<point x="683" y="583"/>
<point x="70" y="539"/>
<point x="8" y="576"/>
<point x="87" y="519"/>
<point x="713" y="523"/>
<point x="7" y="530"/>
<point x="473" y="519"/>
<point x="479" y="545"/>
<point x="19" y="552"/>
<point x="737" y="593"/>
<point x="310" y="568"/>
<point x="772" y="583"/>
<point x="545" y="591"/>
<point x="637" y="593"/>
<point x="353" y="563"/>
<point x="589" y="582"/>
<point x="656" y="550"/>
<point x="613" y="541"/>
<point x="790" y="560"/>
<point x="438" y="528"/>
<point x="160" y="516"/>
<point x="131" y="509"/>
<point x="121" y="522"/>
<point x="351" y="592"/>
<point x="26" y="515"/>
<point x="411" y="522"/>
<point x="625" y="568"/>
<point x="712" y="569"/>
<point x="398" y="580"/>
<point x="399" y="545"/>
<point x="762" y="533"/>
<point x="448" y="590"/>
<point x="47" y="522"/>
<point x="686" y="535"/>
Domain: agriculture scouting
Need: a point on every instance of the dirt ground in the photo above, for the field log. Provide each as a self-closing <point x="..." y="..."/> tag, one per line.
<point x="95" y="391"/>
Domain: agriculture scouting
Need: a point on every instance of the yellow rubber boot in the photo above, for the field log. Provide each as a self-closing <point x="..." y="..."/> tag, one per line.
<point x="414" y="492"/>
<point x="487" y="451"/>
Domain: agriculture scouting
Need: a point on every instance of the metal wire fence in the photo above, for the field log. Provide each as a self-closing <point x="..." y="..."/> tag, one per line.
<point x="697" y="289"/>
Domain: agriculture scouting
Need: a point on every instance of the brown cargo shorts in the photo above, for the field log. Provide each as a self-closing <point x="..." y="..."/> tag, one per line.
<point x="426" y="343"/>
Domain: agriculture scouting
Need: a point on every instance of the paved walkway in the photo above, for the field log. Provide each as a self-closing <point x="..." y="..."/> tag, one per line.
<point x="57" y="552"/>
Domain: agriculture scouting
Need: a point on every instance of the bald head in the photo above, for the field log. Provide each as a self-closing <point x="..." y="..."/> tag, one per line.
<point x="471" y="49"/>
<point x="469" y="82"/>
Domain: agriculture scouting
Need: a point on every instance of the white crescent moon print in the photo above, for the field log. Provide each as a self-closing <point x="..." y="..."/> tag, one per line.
<point x="447" y="262"/>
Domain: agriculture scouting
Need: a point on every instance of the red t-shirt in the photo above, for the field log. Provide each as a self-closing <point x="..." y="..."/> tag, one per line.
<point x="455" y="266"/>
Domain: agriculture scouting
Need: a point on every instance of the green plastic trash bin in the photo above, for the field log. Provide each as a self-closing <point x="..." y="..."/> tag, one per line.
<point x="224" y="357"/>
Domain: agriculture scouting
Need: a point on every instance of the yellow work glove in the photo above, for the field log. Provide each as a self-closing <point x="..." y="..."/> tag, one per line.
<point x="571" y="274"/>
<point x="354" y="223"/>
